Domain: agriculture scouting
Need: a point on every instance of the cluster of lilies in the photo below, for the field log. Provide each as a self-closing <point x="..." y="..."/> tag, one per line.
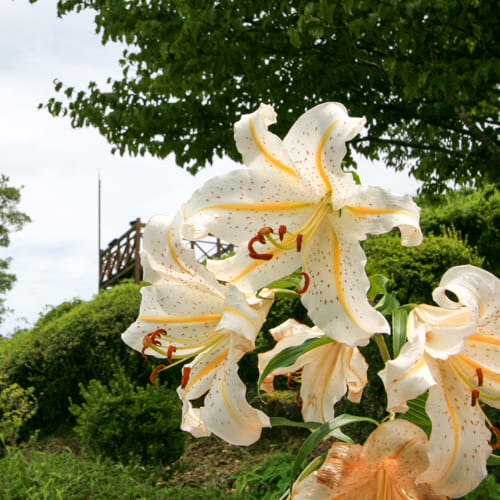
<point x="293" y="209"/>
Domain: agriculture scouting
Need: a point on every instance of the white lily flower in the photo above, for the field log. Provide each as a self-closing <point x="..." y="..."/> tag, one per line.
<point x="295" y="207"/>
<point x="384" y="468"/>
<point x="454" y="352"/>
<point x="328" y="371"/>
<point x="186" y="313"/>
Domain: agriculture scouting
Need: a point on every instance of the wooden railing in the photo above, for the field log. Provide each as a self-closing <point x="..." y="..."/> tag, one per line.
<point x="121" y="259"/>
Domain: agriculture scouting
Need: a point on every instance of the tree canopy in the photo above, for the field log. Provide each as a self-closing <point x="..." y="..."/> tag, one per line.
<point x="424" y="72"/>
<point x="11" y="219"/>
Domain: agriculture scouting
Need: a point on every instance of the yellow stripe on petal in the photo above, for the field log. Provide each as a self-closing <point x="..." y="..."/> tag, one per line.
<point x="226" y="400"/>
<point x="269" y="157"/>
<point x="207" y="369"/>
<point x="204" y="318"/>
<point x="174" y="255"/>
<point x="456" y="436"/>
<point x="319" y="156"/>
<point x="364" y="211"/>
<point x="338" y="279"/>
<point x="259" y="207"/>
<point x="484" y="339"/>
<point x="234" y="311"/>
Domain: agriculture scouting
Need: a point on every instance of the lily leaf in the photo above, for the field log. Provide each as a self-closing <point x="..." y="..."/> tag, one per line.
<point x="337" y="433"/>
<point x="417" y="413"/>
<point x="288" y="356"/>
<point x="399" y="320"/>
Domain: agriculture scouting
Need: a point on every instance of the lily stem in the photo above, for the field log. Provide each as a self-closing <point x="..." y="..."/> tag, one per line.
<point x="382" y="347"/>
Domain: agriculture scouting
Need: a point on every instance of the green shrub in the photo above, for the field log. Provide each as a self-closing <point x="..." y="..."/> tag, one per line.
<point x="75" y="343"/>
<point x="124" y="421"/>
<point x="489" y="489"/>
<point x="414" y="272"/>
<point x="17" y="405"/>
<point x="474" y="214"/>
<point x="267" y="480"/>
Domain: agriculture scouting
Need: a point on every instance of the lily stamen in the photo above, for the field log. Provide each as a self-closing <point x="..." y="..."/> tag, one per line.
<point x="185" y="376"/>
<point x="475" y="397"/>
<point x="299" y="242"/>
<point x="479" y="373"/>
<point x="298" y="400"/>
<point x="495" y="431"/>
<point x="171" y="349"/>
<point x="307" y="281"/>
<point x="253" y="254"/>
<point x="155" y="373"/>
<point x="282" y="232"/>
<point x="150" y="340"/>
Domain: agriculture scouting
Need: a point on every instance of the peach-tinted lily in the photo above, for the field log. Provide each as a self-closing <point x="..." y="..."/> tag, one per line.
<point x="185" y="313"/>
<point x="295" y="207"/>
<point x="384" y="468"/>
<point x="328" y="371"/>
<point x="454" y="352"/>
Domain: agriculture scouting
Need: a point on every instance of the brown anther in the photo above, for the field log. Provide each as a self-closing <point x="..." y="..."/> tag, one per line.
<point x="155" y="372"/>
<point x="253" y="254"/>
<point x="496" y="445"/>
<point x="185" y="376"/>
<point x="289" y="381"/>
<point x="171" y="349"/>
<point x="475" y="397"/>
<point x="281" y="232"/>
<point x="150" y="339"/>
<point x="298" y="400"/>
<point x="299" y="242"/>
<point x="307" y="280"/>
<point x="266" y="230"/>
<point x="479" y="373"/>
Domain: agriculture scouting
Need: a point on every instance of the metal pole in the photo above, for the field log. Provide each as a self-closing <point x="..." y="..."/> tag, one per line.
<point x="98" y="230"/>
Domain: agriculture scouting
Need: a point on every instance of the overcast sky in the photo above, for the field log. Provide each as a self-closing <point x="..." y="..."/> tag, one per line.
<point x="55" y="256"/>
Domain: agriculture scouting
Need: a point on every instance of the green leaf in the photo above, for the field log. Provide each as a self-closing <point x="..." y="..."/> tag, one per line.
<point x="399" y="320"/>
<point x="288" y="356"/>
<point x="337" y="433"/>
<point x="278" y="421"/>
<point x="318" y="435"/>
<point x="417" y="413"/>
<point x="494" y="460"/>
<point x="378" y="286"/>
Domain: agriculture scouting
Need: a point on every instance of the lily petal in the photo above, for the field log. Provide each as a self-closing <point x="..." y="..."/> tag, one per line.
<point x="407" y="376"/>
<point x="192" y="421"/>
<point x="259" y="148"/>
<point x="336" y="300"/>
<point x="458" y="447"/>
<point x="476" y="289"/>
<point x="446" y="330"/>
<point x="328" y="370"/>
<point x="385" y="468"/>
<point x="235" y="206"/>
<point x="375" y="210"/>
<point x="316" y="145"/>
<point x="226" y="411"/>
